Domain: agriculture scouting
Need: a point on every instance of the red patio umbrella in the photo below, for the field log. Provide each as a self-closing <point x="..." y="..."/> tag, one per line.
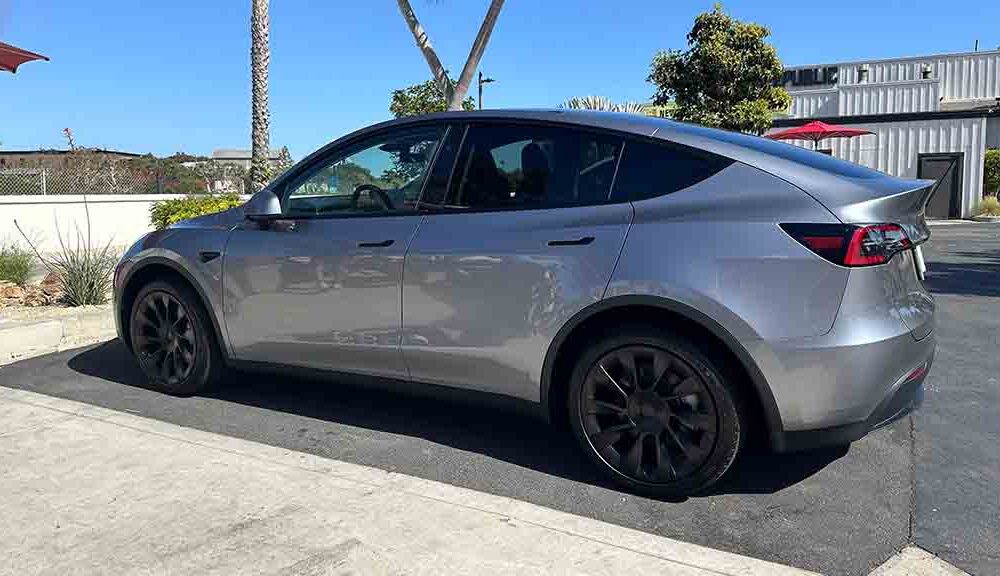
<point x="11" y="57"/>
<point x="817" y="131"/>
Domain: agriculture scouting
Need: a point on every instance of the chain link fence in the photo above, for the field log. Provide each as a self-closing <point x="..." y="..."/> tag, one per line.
<point x="92" y="173"/>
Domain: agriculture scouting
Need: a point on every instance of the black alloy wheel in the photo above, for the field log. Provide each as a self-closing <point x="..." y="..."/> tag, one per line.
<point x="172" y="338"/>
<point x="649" y="414"/>
<point x="655" y="413"/>
<point x="164" y="339"/>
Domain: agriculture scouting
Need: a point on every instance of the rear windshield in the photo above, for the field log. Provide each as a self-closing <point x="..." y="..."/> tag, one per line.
<point x="784" y="151"/>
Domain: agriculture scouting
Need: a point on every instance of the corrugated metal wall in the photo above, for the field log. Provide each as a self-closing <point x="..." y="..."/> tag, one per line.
<point x="895" y="146"/>
<point x="814" y="103"/>
<point x="969" y="75"/>
<point x="889" y="98"/>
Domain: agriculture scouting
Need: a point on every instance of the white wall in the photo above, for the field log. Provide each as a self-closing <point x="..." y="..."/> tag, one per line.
<point x="968" y="75"/>
<point x="119" y="219"/>
<point x="814" y="103"/>
<point x="888" y="98"/>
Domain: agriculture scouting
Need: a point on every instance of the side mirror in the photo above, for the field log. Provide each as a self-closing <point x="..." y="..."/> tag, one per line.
<point x="263" y="207"/>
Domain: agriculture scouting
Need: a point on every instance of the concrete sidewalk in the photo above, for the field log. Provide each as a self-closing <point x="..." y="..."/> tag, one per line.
<point x="89" y="490"/>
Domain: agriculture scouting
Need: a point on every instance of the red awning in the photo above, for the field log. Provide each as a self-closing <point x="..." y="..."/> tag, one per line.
<point x="817" y="131"/>
<point x="11" y="57"/>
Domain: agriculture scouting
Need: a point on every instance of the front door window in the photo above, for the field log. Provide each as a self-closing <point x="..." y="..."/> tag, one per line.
<point x="384" y="175"/>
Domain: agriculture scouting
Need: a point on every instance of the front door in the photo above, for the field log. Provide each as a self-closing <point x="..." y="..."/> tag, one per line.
<point x="321" y="288"/>
<point x="524" y="238"/>
<point x="946" y="201"/>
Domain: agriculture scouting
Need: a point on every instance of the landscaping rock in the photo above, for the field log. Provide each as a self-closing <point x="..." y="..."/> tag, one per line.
<point x="52" y="287"/>
<point x="10" y="291"/>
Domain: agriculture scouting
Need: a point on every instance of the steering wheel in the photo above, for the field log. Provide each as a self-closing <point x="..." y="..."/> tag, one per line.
<point x="376" y="191"/>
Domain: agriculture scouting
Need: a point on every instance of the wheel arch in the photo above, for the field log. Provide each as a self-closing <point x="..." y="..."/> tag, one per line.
<point x="567" y="342"/>
<point x="158" y="267"/>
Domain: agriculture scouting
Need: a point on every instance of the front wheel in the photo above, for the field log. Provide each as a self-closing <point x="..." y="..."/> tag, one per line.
<point x="172" y="339"/>
<point x="655" y="413"/>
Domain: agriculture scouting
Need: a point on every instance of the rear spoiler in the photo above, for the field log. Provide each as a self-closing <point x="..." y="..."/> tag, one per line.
<point x="906" y="208"/>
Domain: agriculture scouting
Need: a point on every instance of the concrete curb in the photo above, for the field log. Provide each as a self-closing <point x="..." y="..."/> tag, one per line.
<point x="28" y="332"/>
<point x="913" y="561"/>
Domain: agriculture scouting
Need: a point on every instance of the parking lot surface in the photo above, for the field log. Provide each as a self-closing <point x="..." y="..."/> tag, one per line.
<point x="930" y="479"/>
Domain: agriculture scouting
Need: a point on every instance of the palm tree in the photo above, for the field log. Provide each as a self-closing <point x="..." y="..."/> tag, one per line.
<point x="454" y="93"/>
<point x="606" y="104"/>
<point x="260" y="57"/>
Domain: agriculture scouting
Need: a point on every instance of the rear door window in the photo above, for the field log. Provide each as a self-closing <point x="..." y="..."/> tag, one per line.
<point x="651" y="169"/>
<point x="525" y="167"/>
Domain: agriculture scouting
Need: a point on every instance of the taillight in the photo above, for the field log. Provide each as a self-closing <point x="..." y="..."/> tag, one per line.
<point x="850" y="245"/>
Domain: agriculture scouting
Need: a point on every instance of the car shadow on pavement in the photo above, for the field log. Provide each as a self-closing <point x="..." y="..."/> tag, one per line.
<point x="974" y="274"/>
<point x="495" y="430"/>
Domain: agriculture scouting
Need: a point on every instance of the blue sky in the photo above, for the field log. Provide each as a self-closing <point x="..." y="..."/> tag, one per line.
<point x="167" y="76"/>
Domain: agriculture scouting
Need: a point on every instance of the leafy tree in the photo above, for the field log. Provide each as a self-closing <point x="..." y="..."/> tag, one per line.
<point x="422" y="98"/>
<point x="728" y="77"/>
<point x="991" y="173"/>
<point x="454" y="92"/>
<point x="284" y="162"/>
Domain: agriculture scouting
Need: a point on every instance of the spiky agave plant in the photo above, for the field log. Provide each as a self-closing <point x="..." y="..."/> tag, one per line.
<point x="84" y="272"/>
<point x="604" y="104"/>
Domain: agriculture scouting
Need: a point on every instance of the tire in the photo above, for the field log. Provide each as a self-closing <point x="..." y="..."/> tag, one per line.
<point x="676" y="433"/>
<point x="191" y="349"/>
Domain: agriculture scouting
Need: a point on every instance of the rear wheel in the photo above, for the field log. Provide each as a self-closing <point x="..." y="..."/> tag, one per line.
<point x="655" y="413"/>
<point x="172" y="339"/>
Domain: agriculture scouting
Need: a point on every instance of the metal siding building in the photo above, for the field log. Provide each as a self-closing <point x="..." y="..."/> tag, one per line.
<point x="928" y="114"/>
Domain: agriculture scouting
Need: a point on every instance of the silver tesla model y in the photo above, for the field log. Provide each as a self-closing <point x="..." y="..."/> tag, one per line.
<point x="663" y="291"/>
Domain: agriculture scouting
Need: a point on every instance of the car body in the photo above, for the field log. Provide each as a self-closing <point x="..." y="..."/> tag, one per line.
<point x="468" y="257"/>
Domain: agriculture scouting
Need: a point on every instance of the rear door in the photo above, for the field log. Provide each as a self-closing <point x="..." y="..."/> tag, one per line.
<point x="518" y="237"/>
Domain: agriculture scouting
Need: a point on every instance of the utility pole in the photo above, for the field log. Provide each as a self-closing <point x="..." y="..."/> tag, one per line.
<point x="482" y="81"/>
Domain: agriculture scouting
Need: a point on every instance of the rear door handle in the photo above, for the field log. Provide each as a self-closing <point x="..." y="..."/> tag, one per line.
<point x="578" y="242"/>
<point x="382" y="244"/>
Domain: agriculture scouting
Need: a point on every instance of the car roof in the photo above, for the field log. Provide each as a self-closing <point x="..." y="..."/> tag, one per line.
<point x="754" y="150"/>
<point x="799" y="166"/>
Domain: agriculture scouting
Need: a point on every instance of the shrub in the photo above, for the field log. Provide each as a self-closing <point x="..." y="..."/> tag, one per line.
<point x="84" y="273"/>
<point x="15" y="263"/>
<point x="167" y="212"/>
<point x="989" y="206"/>
<point x="991" y="172"/>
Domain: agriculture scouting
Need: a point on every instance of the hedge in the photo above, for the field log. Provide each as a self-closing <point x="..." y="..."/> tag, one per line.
<point x="167" y="212"/>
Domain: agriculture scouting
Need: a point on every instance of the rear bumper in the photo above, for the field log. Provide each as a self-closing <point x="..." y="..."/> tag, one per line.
<point x="903" y="398"/>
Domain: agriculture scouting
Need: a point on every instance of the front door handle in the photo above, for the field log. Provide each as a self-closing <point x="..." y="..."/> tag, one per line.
<point x="382" y="244"/>
<point x="578" y="242"/>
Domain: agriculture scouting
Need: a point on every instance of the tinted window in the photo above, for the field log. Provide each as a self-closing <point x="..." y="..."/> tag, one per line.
<point x="532" y="167"/>
<point x="437" y="182"/>
<point x="385" y="174"/>
<point x="649" y="169"/>
<point x="782" y="150"/>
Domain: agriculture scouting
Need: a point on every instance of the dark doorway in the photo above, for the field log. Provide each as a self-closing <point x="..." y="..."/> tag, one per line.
<point x="946" y="202"/>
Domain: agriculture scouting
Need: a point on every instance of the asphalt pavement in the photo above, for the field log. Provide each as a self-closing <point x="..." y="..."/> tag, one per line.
<point x="930" y="479"/>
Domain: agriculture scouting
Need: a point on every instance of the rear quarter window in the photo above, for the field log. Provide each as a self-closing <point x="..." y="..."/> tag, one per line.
<point x="649" y="169"/>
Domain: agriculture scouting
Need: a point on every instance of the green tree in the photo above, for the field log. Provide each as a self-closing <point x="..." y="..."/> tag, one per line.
<point x="991" y="173"/>
<point x="422" y="98"/>
<point x="727" y="78"/>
